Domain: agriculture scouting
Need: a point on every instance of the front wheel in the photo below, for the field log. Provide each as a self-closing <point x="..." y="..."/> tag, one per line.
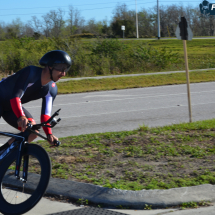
<point x="17" y="197"/>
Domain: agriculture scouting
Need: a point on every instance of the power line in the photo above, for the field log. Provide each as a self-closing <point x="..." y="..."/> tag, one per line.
<point x="180" y="1"/>
<point x="68" y="11"/>
<point x="88" y="4"/>
<point x="93" y="8"/>
<point x="66" y="6"/>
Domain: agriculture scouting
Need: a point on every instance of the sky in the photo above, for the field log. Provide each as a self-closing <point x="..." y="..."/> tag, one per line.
<point x="94" y="9"/>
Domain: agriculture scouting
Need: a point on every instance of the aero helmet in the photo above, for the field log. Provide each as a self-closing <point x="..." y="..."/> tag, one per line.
<point x="56" y="57"/>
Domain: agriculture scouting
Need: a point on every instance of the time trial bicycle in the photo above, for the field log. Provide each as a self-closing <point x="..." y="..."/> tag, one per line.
<point x="25" y="170"/>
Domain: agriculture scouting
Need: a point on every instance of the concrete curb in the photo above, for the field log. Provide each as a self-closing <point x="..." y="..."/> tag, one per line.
<point x="115" y="197"/>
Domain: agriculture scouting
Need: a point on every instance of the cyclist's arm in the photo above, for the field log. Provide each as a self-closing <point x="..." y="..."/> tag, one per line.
<point x="19" y="88"/>
<point x="46" y="112"/>
<point x="45" y="115"/>
<point x="47" y="106"/>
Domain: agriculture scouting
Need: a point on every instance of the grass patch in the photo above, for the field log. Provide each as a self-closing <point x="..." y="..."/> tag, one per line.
<point x="146" y="158"/>
<point x="78" y="86"/>
<point x="186" y="205"/>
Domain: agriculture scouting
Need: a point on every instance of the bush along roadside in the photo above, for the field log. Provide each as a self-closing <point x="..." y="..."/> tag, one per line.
<point x="108" y="56"/>
<point x="92" y="57"/>
<point x="146" y="158"/>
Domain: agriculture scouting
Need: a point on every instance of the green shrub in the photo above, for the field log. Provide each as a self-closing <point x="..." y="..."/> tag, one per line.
<point x="146" y="56"/>
<point x="83" y="35"/>
<point x="100" y="57"/>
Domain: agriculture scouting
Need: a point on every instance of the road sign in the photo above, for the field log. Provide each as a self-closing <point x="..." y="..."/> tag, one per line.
<point x="183" y="32"/>
<point x="123" y="30"/>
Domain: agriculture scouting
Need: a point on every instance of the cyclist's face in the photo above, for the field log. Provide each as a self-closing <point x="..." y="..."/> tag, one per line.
<point x="59" y="71"/>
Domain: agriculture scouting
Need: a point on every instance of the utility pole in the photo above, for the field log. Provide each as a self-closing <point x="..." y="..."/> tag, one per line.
<point x="158" y="14"/>
<point x="137" y="20"/>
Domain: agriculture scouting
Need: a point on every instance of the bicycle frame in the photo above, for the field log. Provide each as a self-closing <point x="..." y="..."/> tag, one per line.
<point x="20" y="140"/>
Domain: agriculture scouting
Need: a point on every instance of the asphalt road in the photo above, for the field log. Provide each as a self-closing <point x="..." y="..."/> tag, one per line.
<point x="126" y="110"/>
<point x="118" y="110"/>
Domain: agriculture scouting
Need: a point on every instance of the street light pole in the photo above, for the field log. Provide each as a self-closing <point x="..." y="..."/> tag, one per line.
<point x="137" y="20"/>
<point x="158" y="14"/>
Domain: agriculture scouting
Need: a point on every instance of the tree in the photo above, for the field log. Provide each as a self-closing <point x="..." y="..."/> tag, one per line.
<point x="15" y="29"/>
<point x="146" y="22"/>
<point x="2" y="31"/>
<point x="76" y="22"/>
<point x="28" y="30"/>
<point x="129" y="28"/>
<point x="121" y="12"/>
<point x="36" y="24"/>
<point x="53" y="23"/>
<point x="94" y="27"/>
<point x="122" y="16"/>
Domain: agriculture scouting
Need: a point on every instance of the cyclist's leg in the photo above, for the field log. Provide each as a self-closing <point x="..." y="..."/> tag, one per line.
<point x="29" y="136"/>
<point x="5" y="146"/>
<point x="11" y="119"/>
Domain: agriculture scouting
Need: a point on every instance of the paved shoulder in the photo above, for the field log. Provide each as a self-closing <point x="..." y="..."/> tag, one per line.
<point x="129" y="75"/>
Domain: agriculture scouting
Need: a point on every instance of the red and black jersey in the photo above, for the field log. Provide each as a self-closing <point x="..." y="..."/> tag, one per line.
<point x="25" y="86"/>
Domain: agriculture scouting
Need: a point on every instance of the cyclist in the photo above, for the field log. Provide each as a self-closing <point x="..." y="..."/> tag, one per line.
<point x="32" y="83"/>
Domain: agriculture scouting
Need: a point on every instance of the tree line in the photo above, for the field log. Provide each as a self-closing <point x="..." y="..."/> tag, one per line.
<point x="56" y="24"/>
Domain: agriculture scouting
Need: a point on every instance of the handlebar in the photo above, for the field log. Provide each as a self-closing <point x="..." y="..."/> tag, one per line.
<point x="52" y="121"/>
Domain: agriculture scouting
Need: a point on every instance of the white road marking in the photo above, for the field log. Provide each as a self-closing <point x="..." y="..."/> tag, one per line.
<point x="128" y="111"/>
<point x="107" y="95"/>
<point x="110" y="100"/>
<point x="134" y="89"/>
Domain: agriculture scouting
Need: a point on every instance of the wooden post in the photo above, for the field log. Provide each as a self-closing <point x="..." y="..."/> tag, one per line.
<point x="183" y="32"/>
<point x="188" y="79"/>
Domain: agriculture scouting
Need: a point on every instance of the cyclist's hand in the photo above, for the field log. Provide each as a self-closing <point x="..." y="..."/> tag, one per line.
<point x="22" y="123"/>
<point x="51" y="139"/>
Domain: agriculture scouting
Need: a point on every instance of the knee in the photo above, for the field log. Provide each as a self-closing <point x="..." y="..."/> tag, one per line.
<point x="34" y="136"/>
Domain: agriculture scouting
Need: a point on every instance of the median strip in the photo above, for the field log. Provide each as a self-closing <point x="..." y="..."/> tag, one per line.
<point x="87" y="85"/>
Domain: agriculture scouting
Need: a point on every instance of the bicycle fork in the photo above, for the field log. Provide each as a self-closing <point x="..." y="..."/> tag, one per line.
<point x="25" y="164"/>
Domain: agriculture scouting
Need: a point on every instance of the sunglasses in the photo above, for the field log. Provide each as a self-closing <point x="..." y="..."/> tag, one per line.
<point x="61" y="68"/>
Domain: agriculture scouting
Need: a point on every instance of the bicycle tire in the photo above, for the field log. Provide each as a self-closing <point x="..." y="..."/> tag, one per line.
<point x="36" y="152"/>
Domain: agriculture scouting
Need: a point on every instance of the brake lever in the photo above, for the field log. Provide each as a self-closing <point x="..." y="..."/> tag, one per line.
<point x="57" y="143"/>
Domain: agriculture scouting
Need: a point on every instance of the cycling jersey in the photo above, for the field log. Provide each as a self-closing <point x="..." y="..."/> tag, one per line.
<point x="25" y="86"/>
